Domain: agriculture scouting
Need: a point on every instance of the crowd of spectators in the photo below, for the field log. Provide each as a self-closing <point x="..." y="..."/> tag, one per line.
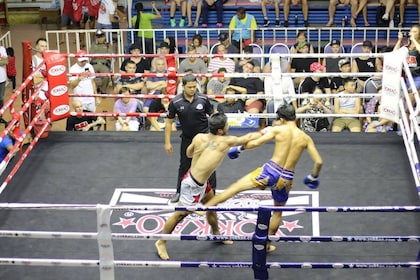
<point x="240" y="39"/>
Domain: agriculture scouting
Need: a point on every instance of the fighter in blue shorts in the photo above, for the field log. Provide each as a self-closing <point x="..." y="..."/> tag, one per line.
<point x="278" y="172"/>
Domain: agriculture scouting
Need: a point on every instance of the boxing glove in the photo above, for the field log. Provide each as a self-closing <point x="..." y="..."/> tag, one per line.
<point x="311" y="181"/>
<point x="234" y="152"/>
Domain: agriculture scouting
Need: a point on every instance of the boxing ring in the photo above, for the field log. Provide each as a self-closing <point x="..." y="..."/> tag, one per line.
<point x="57" y="212"/>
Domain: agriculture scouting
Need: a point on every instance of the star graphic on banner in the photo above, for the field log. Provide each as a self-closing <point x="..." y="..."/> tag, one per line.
<point x="290" y="225"/>
<point x="124" y="223"/>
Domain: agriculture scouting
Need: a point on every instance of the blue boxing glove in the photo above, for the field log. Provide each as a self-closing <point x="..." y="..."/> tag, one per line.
<point x="311" y="181"/>
<point x="234" y="152"/>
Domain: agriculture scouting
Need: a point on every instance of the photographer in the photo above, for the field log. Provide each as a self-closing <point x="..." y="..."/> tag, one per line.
<point x="413" y="46"/>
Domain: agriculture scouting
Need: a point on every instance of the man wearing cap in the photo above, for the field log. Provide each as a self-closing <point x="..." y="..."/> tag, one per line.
<point x="218" y="5"/>
<point x="301" y="64"/>
<point x="331" y="63"/>
<point x="337" y="83"/>
<point x="365" y="64"/>
<point x="224" y="40"/>
<point x="84" y="82"/>
<point x="101" y="64"/>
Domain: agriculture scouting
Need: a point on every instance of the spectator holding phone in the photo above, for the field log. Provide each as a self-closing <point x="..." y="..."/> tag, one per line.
<point x="84" y="82"/>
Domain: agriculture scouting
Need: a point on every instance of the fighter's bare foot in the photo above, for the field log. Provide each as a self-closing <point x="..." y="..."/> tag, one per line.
<point x="227" y="242"/>
<point x="161" y="250"/>
<point x="271" y="248"/>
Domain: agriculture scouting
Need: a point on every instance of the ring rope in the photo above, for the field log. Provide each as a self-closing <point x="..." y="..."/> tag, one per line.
<point x="28" y="149"/>
<point x="204" y="264"/>
<point x="230" y="75"/>
<point x="93" y="207"/>
<point x="257" y="96"/>
<point x="229" y="115"/>
<point x="207" y="237"/>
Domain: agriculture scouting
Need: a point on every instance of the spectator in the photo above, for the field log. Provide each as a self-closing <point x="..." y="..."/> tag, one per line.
<point x="3" y="78"/>
<point x="221" y="62"/>
<point x="413" y="58"/>
<point x="197" y="41"/>
<point x="288" y="3"/>
<point x="195" y="65"/>
<point x="217" y="85"/>
<point x="224" y="39"/>
<point x="82" y="123"/>
<point x="365" y="64"/>
<point x="192" y="109"/>
<point x="190" y="4"/>
<point x="242" y="61"/>
<point x="156" y="85"/>
<point x="403" y="3"/>
<point x="135" y="84"/>
<point x="101" y="64"/>
<point x="242" y="28"/>
<point x="315" y="105"/>
<point x="231" y="105"/>
<point x="332" y="8"/>
<point x="358" y="6"/>
<point x="218" y="5"/>
<point x="337" y="83"/>
<point x="159" y="105"/>
<point x="301" y="37"/>
<point x="331" y="63"/>
<point x="301" y="64"/>
<point x="375" y="124"/>
<point x="276" y="4"/>
<point x="8" y="141"/>
<point x="11" y="66"/>
<point x="143" y="21"/>
<point x="37" y="59"/>
<point x="125" y="105"/>
<point x="183" y="5"/>
<point x="84" y="82"/>
<point x="347" y="105"/>
<point x="66" y="17"/>
<point x="164" y="49"/>
<point x="143" y="64"/>
<point x="310" y="83"/>
<point x="389" y="12"/>
<point x="250" y="85"/>
<point x="106" y="15"/>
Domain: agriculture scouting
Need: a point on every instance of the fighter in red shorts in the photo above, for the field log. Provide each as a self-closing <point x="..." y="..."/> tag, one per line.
<point x="207" y="151"/>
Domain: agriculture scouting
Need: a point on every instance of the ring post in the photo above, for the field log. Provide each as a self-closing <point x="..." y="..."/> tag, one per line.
<point x="106" y="250"/>
<point x="259" y="245"/>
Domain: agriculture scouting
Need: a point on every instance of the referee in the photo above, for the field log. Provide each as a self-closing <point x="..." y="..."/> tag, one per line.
<point x="192" y="109"/>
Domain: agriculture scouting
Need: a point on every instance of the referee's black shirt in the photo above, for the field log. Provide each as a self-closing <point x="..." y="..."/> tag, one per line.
<point x="192" y="116"/>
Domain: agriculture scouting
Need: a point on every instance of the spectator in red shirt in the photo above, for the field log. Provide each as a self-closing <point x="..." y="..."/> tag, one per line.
<point x="11" y="66"/>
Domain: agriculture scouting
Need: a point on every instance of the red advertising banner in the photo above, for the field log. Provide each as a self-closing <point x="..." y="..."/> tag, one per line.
<point x="58" y="92"/>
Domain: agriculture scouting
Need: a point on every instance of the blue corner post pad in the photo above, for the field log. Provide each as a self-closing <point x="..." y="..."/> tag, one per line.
<point x="259" y="243"/>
